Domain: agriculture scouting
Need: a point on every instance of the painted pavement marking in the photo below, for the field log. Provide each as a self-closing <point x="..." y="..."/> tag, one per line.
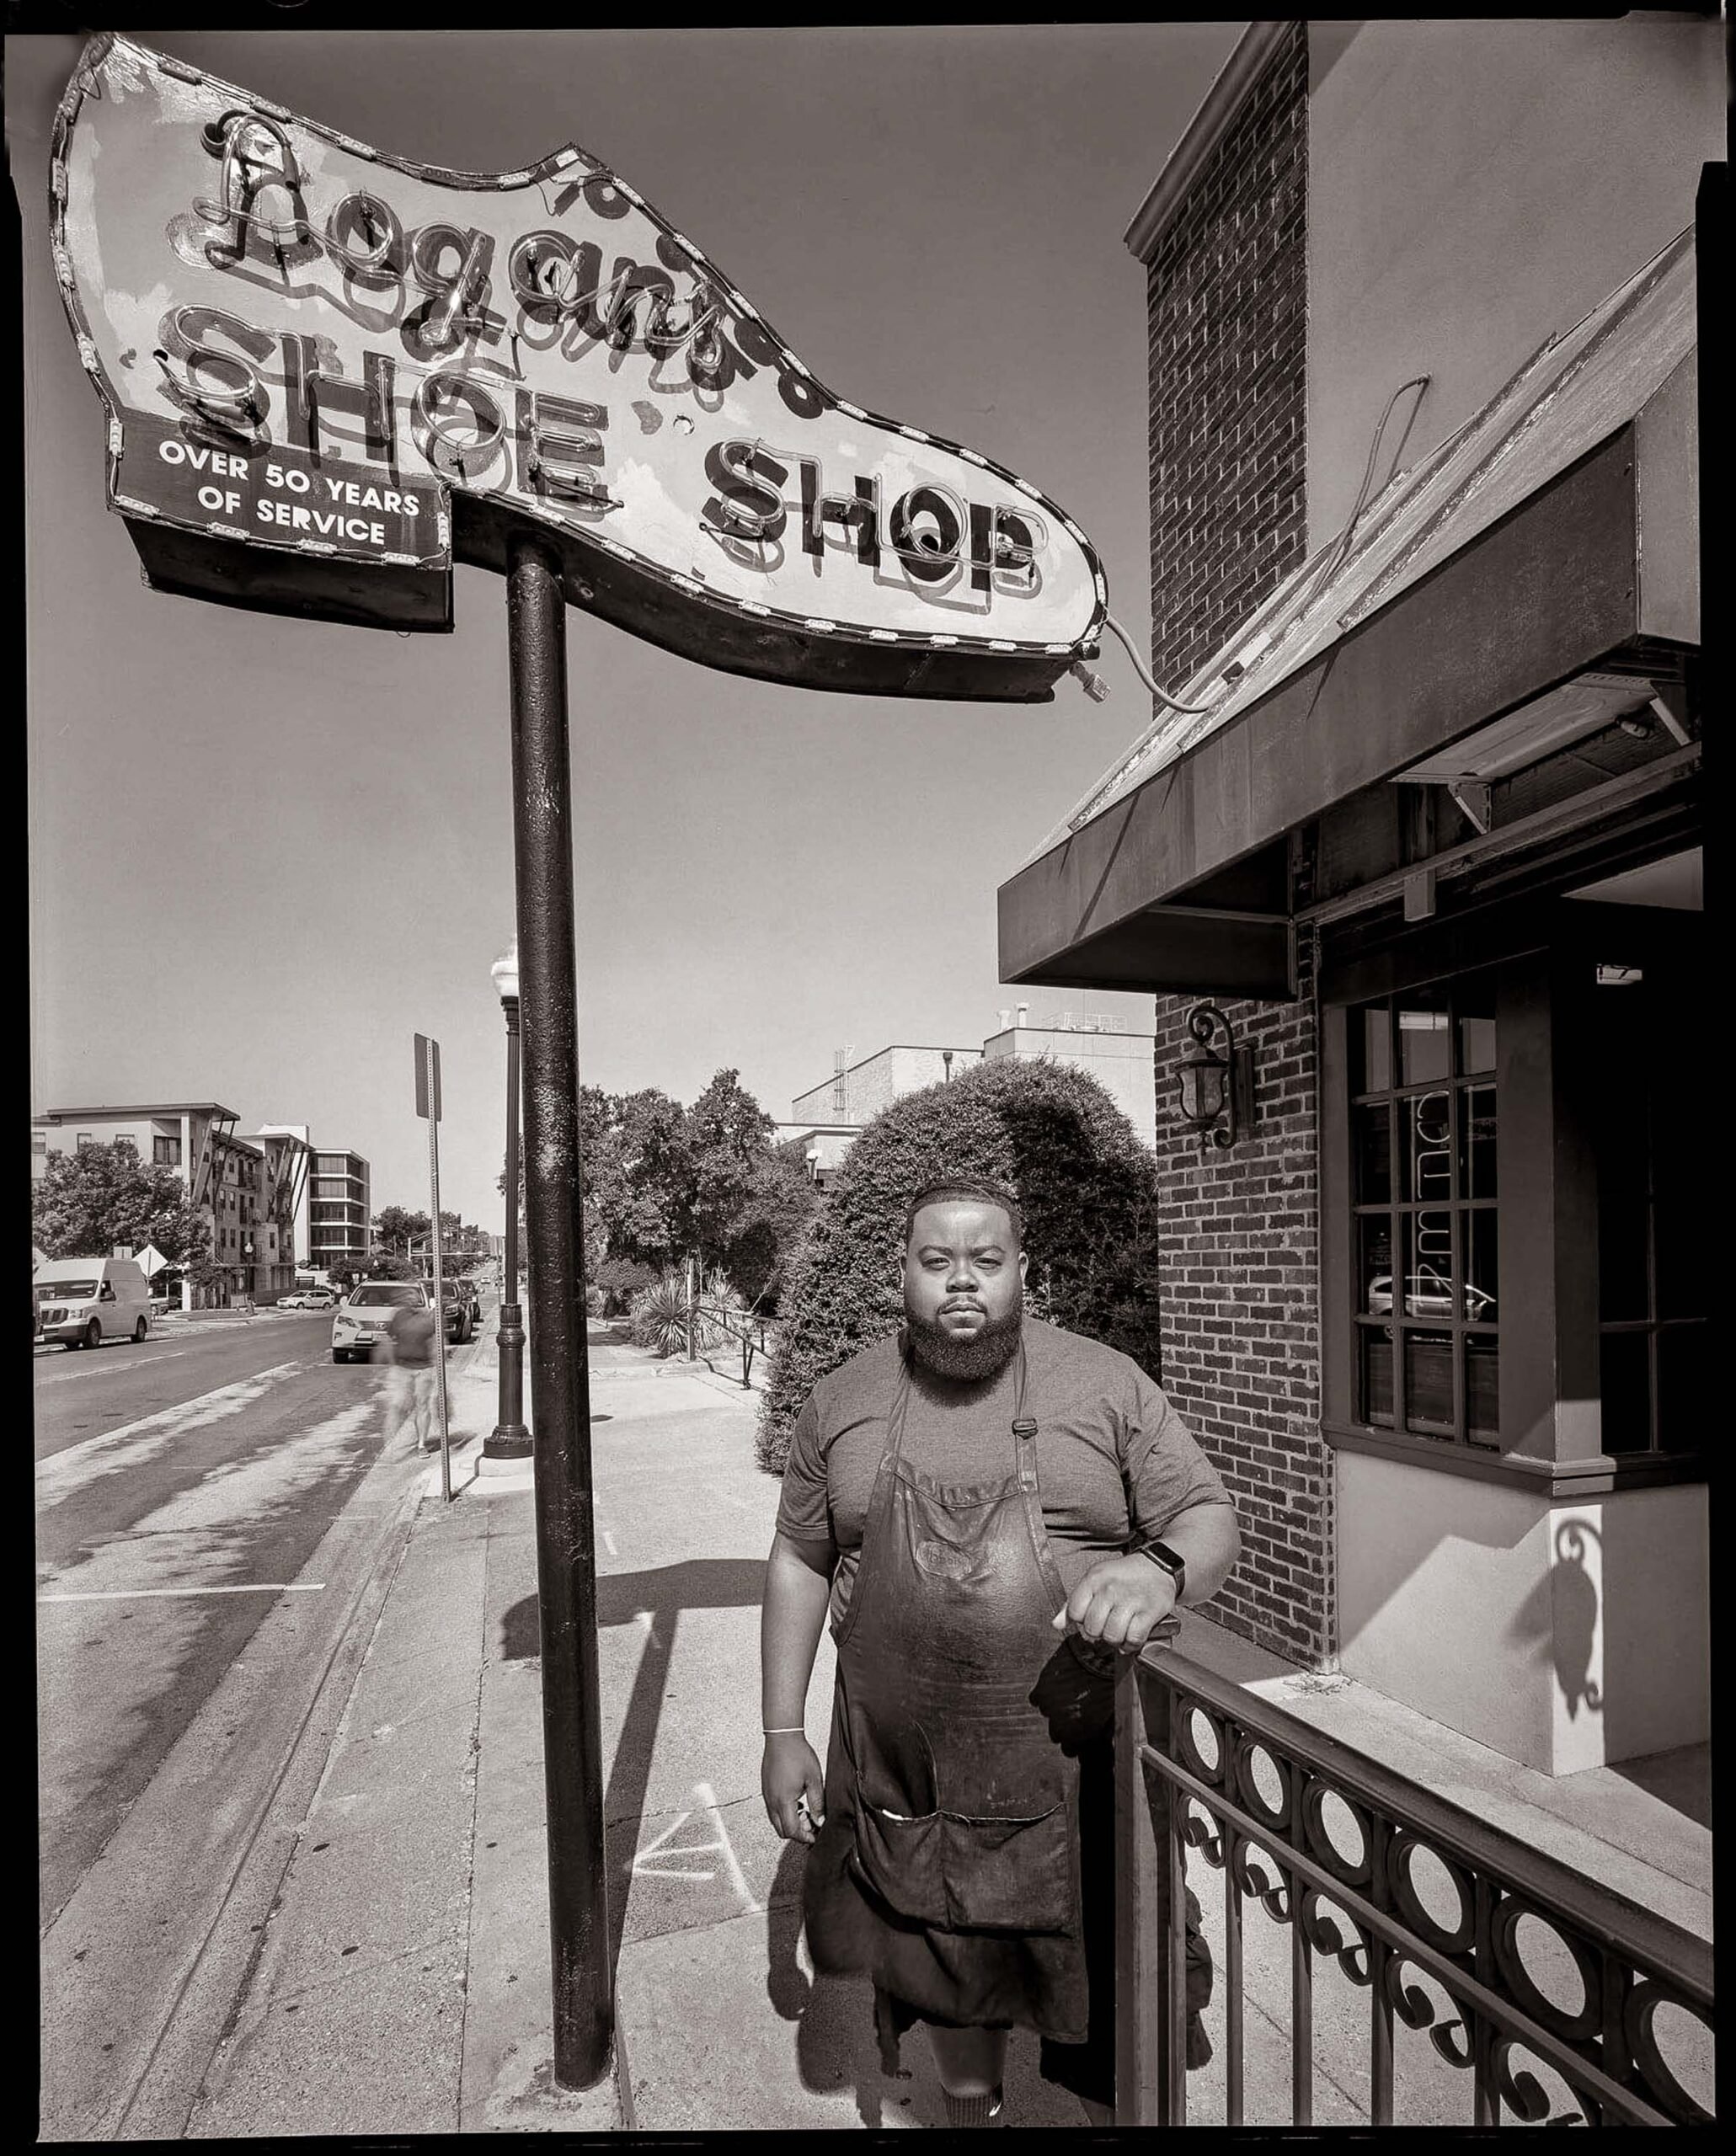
<point x="144" y="1437"/>
<point x="66" y="1367"/>
<point x="146" y="1593"/>
<point x="665" y="1845"/>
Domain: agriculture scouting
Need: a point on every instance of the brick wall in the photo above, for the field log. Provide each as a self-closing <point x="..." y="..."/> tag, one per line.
<point x="1226" y="297"/>
<point x="1239" y="1260"/>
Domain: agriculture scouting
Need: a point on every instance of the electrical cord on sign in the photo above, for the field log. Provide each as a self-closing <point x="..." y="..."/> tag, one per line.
<point x="1097" y="689"/>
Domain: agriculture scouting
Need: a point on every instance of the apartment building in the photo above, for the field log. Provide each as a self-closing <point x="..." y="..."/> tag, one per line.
<point x="339" y="1209"/>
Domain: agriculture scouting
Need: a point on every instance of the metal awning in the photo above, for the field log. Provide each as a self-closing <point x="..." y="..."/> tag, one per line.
<point x="1555" y="531"/>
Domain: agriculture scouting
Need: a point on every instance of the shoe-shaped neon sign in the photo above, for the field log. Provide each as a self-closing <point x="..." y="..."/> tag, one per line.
<point x="330" y="372"/>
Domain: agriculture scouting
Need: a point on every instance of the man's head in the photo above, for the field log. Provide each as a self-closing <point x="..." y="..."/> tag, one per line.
<point x="964" y="1276"/>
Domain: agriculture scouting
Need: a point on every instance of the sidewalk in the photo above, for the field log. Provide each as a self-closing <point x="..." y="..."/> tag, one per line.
<point x="402" y="1983"/>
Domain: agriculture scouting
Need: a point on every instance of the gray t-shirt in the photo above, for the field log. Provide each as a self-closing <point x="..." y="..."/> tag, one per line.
<point x="1113" y="1458"/>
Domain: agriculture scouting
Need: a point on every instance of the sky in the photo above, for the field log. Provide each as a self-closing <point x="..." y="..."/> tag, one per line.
<point x="265" y="853"/>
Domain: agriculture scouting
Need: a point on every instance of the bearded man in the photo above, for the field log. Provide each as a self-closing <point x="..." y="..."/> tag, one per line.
<point x="996" y="1514"/>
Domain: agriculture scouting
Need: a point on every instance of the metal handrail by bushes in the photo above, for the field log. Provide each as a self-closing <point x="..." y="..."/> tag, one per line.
<point x="747" y="1327"/>
<point x="1203" y="1765"/>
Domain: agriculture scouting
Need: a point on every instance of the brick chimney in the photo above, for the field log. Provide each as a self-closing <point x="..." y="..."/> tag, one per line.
<point x="1224" y="237"/>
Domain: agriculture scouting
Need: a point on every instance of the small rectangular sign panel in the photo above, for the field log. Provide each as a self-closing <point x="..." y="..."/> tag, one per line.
<point x="427" y="1067"/>
<point x="255" y="490"/>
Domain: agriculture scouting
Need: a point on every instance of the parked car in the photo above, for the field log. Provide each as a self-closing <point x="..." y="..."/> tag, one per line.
<point x="459" y="1319"/>
<point x="1428" y="1294"/>
<point x="87" y="1300"/>
<point x="362" y="1317"/>
<point x="308" y="1299"/>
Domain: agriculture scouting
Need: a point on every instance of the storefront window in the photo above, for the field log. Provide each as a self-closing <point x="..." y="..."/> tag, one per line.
<point x="1652" y="1313"/>
<point x="1423" y="1147"/>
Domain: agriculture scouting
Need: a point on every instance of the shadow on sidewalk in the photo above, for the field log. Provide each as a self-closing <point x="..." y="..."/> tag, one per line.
<point x="655" y="1600"/>
<point x="834" y="2042"/>
<point x="835" y="2047"/>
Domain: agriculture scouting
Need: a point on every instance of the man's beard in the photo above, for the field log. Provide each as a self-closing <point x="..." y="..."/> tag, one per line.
<point x="968" y="1360"/>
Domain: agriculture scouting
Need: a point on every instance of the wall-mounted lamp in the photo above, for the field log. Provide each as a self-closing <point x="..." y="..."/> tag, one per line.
<point x="1215" y="1093"/>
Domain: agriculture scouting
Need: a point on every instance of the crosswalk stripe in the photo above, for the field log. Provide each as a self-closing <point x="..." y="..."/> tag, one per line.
<point x="207" y="1408"/>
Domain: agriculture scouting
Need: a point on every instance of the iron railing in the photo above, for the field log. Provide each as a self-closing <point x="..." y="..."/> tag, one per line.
<point x="1360" y="1868"/>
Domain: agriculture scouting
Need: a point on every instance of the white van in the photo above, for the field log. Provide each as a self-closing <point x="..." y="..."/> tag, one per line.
<point x="87" y="1300"/>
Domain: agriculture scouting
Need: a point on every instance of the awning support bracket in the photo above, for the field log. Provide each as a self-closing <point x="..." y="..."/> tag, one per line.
<point x="1472" y="797"/>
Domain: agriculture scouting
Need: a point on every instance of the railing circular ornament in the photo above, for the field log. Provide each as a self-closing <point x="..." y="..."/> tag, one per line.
<point x="1457" y="1938"/>
<point x="1525" y="2095"/>
<point x="1249" y="1750"/>
<point x="1417" y="2011"/>
<point x="1275" y="1896"/>
<point x="1319" y="1928"/>
<point x="1644" y="2002"/>
<point x="1315" y="1795"/>
<point x="1187" y="1719"/>
<point x="1509" y="1962"/>
<point x="1201" y="1829"/>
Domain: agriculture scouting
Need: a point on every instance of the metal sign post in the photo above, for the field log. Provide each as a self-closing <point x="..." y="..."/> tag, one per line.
<point x="428" y="1104"/>
<point x="566" y="1535"/>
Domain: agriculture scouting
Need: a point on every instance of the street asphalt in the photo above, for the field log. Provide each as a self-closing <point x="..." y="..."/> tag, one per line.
<point x="212" y="1508"/>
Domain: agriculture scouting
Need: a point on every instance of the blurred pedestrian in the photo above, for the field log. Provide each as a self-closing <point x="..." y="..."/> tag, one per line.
<point x="997" y="1515"/>
<point x="407" y="1348"/>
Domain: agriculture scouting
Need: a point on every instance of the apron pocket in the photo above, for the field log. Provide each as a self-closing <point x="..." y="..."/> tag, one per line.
<point x="1008" y="1874"/>
<point x="901" y="1859"/>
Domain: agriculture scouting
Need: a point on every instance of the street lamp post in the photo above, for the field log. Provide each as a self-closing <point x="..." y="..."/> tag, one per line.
<point x="509" y="1439"/>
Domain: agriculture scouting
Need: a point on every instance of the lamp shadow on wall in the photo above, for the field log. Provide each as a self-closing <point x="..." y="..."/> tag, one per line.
<point x="1562" y="1610"/>
<point x="1616" y="1656"/>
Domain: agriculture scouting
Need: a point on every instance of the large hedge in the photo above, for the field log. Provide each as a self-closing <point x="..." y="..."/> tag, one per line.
<point x="1089" y="1192"/>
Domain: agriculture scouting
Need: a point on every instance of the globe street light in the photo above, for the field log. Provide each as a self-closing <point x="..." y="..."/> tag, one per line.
<point x="509" y="1439"/>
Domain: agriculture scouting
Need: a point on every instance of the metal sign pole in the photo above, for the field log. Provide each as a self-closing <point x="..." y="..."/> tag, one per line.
<point x="566" y="1542"/>
<point x="440" y="1308"/>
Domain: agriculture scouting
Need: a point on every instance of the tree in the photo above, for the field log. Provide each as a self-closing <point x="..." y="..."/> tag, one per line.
<point x="726" y="1136"/>
<point x="642" y="1184"/>
<point x="1087" y="1187"/>
<point x="396" y="1228"/>
<point x="87" y="1201"/>
<point x="778" y="1203"/>
<point x="663" y="1183"/>
<point x="377" y="1265"/>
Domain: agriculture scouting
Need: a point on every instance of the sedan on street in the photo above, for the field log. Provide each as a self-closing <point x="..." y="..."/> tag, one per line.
<point x="362" y="1317"/>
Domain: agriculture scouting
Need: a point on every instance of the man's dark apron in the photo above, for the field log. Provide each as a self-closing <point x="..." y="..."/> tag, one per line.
<point x="947" y="1868"/>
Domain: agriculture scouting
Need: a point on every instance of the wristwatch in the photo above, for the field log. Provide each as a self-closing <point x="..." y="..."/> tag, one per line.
<point x="1166" y="1560"/>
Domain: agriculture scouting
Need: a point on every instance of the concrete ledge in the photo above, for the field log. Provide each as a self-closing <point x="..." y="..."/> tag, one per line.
<point x="1605" y="1822"/>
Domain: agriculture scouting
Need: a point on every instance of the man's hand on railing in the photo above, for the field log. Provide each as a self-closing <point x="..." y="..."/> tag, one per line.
<point x="1119" y="1602"/>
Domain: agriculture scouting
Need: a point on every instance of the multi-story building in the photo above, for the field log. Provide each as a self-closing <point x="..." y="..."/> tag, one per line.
<point x="825" y="1121"/>
<point x="1114" y="1050"/>
<point x="1424" y="305"/>
<point x="855" y="1092"/>
<point x="233" y="1181"/>
<point x="821" y="1146"/>
<point x="288" y="1148"/>
<point x="248" y="1188"/>
<point x="339" y="1212"/>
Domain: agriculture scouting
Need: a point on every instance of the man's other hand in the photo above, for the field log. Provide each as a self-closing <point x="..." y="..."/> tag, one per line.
<point x="794" y="1787"/>
<point x="1119" y="1602"/>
